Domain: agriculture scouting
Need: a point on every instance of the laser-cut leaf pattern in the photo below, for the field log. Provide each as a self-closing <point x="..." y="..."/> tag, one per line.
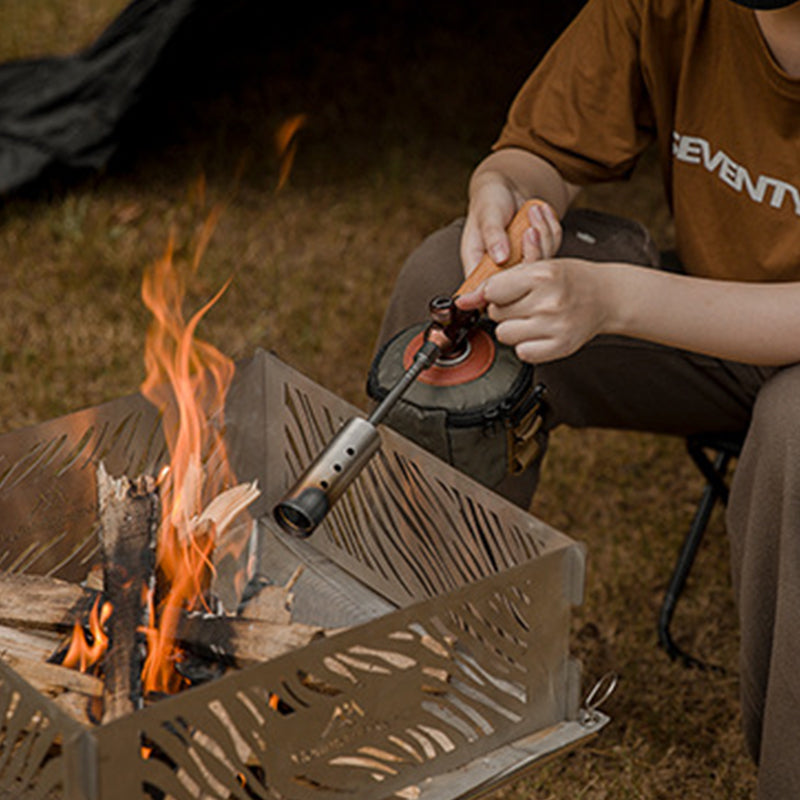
<point x="402" y="526"/>
<point x="32" y="766"/>
<point x="475" y="656"/>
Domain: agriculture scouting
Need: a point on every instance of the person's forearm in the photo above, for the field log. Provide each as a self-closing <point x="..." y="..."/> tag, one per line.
<point x="746" y="322"/>
<point x="527" y="175"/>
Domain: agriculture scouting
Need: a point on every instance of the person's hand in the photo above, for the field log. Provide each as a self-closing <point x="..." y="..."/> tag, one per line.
<point x="491" y="208"/>
<point x="543" y="238"/>
<point x="545" y="309"/>
<point x="492" y="205"/>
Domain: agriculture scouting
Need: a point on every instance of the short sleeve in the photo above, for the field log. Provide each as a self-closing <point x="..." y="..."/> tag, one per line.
<point x="585" y="108"/>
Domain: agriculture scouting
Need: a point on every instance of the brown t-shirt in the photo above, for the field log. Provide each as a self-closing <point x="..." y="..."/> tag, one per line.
<point x="697" y="77"/>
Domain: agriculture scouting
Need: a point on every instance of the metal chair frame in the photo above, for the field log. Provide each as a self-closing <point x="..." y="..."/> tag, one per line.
<point x="723" y="447"/>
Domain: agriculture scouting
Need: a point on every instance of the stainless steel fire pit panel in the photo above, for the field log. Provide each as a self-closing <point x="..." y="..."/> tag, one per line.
<point x="510" y="762"/>
<point x="466" y="654"/>
<point x="370" y="712"/>
<point x="246" y="428"/>
<point x="33" y="759"/>
<point x="410" y="526"/>
<point x="47" y="483"/>
<point x="48" y="503"/>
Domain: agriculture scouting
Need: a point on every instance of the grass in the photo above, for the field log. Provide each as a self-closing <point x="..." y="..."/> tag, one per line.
<point x="46" y="28"/>
<point x="401" y="103"/>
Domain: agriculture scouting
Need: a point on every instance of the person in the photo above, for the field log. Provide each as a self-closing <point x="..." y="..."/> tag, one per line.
<point x="714" y="86"/>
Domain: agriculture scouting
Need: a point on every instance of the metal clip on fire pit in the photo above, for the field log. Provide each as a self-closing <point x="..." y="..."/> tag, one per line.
<point x="446" y="337"/>
<point x="589" y="713"/>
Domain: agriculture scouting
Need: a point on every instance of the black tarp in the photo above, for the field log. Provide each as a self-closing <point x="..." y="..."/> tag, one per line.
<point x="67" y="116"/>
<point x="63" y="112"/>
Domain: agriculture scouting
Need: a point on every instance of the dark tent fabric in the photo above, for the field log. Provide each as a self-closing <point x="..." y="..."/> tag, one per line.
<point x="62" y="112"/>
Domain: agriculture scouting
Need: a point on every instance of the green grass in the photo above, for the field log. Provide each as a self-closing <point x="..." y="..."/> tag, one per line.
<point x="399" y="112"/>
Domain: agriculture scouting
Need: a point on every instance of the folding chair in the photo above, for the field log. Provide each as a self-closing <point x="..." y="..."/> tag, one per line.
<point x="712" y="453"/>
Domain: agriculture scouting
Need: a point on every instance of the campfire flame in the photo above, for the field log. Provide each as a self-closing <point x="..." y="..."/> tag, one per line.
<point x="82" y="653"/>
<point x="286" y="145"/>
<point x="187" y="379"/>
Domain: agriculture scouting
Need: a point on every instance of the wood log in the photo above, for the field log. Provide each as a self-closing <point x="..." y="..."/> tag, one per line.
<point x="37" y="646"/>
<point x="271" y="604"/>
<point x="129" y="512"/>
<point x="38" y="602"/>
<point x="94" y="578"/>
<point x="73" y="692"/>
<point x="53" y="679"/>
<point x="243" y="642"/>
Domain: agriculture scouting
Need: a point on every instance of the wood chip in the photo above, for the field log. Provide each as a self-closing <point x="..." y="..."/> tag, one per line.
<point x="271" y="604"/>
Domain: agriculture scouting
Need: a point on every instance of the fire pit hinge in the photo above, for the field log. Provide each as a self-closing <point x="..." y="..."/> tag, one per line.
<point x="80" y="757"/>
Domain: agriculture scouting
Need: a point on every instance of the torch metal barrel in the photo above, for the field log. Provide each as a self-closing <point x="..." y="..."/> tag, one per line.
<point x="324" y="482"/>
<point x="339" y="464"/>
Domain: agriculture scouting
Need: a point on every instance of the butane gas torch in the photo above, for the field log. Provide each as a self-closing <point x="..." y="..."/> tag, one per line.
<point x="445" y="339"/>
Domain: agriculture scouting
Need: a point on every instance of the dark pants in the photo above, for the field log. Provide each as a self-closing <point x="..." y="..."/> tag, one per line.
<point x="616" y="382"/>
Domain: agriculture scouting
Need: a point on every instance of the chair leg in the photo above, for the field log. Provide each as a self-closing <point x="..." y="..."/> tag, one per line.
<point x="715" y="490"/>
<point x="713" y="472"/>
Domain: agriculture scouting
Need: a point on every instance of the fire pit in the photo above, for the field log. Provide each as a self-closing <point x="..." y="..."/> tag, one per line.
<point x="446" y="668"/>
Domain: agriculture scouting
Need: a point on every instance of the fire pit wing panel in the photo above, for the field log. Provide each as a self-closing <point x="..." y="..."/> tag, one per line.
<point x="33" y="729"/>
<point x="372" y="711"/>
<point x="464" y="652"/>
<point x="48" y="496"/>
<point x="410" y="526"/>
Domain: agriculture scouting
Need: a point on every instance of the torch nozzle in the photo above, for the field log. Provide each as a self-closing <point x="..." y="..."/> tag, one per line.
<point x="324" y="482"/>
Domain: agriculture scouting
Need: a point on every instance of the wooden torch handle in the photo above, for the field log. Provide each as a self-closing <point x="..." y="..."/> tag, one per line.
<point x="487" y="266"/>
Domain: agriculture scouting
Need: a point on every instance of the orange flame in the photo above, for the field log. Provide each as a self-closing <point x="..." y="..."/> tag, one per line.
<point x="81" y="654"/>
<point x="286" y="145"/>
<point x="187" y="379"/>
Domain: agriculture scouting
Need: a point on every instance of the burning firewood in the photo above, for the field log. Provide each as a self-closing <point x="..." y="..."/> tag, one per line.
<point x="43" y="609"/>
<point x="129" y="517"/>
<point x="262" y="630"/>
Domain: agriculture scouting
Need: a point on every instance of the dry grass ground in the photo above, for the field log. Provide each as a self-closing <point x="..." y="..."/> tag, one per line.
<point x="401" y="103"/>
<point x="47" y="28"/>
